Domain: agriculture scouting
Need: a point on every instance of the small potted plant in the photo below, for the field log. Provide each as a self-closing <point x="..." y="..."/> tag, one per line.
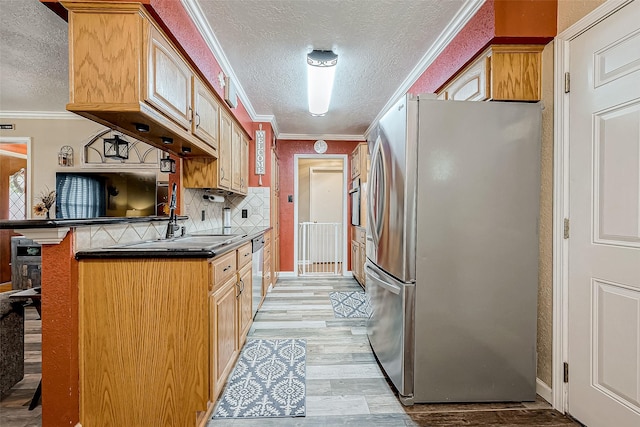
<point x="47" y="199"/>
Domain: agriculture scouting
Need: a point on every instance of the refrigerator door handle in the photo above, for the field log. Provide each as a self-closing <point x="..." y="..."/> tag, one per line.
<point x="377" y="179"/>
<point x="375" y="277"/>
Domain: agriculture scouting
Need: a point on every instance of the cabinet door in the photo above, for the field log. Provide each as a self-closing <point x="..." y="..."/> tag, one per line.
<point x="244" y="164"/>
<point x="363" y="260"/>
<point x="473" y="84"/>
<point x="244" y="304"/>
<point x="275" y="259"/>
<point x="205" y="120"/>
<point x="266" y="276"/>
<point x="224" y="151"/>
<point x="168" y="80"/>
<point x="355" y="259"/>
<point x="224" y="334"/>
<point x="236" y="159"/>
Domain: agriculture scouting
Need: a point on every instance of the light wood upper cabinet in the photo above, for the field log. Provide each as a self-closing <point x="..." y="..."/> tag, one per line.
<point x="473" y="84"/>
<point x="501" y="73"/>
<point x="226" y="150"/>
<point x="230" y="171"/>
<point x="124" y="73"/>
<point x="206" y="114"/>
<point x="168" y="80"/>
<point x="360" y="162"/>
<point x="236" y="160"/>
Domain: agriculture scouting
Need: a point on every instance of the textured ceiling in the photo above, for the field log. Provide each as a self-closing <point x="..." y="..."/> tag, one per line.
<point x="379" y="43"/>
<point x="33" y="57"/>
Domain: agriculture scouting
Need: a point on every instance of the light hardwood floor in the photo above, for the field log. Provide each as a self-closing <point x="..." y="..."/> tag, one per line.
<point x="345" y="385"/>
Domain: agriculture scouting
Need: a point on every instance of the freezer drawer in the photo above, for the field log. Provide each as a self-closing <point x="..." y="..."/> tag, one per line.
<point x="390" y="328"/>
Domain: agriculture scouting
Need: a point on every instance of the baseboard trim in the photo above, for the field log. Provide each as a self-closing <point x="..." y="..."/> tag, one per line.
<point x="544" y="391"/>
<point x="287" y="274"/>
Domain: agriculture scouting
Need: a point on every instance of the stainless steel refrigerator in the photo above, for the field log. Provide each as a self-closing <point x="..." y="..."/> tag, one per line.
<point x="452" y="249"/>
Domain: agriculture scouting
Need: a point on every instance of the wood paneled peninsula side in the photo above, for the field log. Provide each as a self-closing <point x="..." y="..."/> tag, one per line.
<point x="159" y="334"/>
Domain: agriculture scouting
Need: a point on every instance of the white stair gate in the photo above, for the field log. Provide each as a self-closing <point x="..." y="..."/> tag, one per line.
<point x="319" y="249"/>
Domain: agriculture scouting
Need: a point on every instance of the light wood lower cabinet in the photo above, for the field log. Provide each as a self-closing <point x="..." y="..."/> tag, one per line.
<point x="359" y="254"/>
<point x="159" y="337"/>
<point x="144" y="342"/>
<point x="244" y="298"/>
<point x="223" y="309"/>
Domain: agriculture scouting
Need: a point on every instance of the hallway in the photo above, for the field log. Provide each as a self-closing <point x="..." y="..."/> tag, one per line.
<point x="345" y="386"/>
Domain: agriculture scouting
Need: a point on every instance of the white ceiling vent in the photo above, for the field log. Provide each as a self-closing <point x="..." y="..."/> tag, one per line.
<point x="230" y="95"/>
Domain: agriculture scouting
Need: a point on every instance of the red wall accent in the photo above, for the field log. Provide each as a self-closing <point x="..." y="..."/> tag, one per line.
<point x="286" y="151"/>
<point x="60" y="369"/>
<point x="496" y="22"/>
<point x="472" y="39"/>
<point x="526" y="19"/>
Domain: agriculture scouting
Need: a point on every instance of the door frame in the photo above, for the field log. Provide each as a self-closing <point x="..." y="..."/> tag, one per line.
<point x="562" y="48"/>
<point x="345" y="225"/>
<point x="29" y="175"/>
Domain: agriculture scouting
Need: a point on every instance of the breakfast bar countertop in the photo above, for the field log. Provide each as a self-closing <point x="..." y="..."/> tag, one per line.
<point x="20" y="224"/>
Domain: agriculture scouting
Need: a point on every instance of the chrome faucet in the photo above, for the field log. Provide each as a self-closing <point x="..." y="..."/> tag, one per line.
<point x="172" y="226"/>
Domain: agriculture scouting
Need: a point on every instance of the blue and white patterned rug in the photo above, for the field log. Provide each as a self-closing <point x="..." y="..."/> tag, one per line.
<point x="350" y="304"/>
<point x="267" y="381"/>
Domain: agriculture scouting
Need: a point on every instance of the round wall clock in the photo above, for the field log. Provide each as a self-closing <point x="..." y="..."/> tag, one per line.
<point x="320" y="146"/>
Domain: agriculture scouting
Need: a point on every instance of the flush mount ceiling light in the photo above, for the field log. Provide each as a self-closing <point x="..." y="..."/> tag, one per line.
<point x="321" y="68"/>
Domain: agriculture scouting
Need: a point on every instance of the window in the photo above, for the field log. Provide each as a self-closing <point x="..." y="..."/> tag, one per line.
<point x="17" y="195"/>
<point x="79" y="196"/>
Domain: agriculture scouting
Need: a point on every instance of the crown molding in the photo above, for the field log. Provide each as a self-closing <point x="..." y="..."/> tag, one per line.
<point x="465" y="14"/>
<point x="267" y="118"/>
<point x="46" y="115"/>
<point x="326" y="137"/>
<point x="197" y="16"/>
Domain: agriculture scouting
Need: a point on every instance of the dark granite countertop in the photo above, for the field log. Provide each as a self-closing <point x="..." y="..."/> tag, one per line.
<point x="201" y="244"/>
<point x="78" y="222"/>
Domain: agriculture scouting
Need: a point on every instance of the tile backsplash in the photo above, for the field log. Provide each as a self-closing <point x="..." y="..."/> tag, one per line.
<point x="256" y="202"/>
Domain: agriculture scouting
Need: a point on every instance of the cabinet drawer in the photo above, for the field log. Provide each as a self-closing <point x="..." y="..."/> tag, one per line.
<point x="223" y="268"/>
<point x="360" y="235"/>
<point x="267" y="238"/>
<point x="244" y="255"/>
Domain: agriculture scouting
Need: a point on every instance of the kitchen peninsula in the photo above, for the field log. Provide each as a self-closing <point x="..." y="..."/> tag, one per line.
<point x="157" y="334"/>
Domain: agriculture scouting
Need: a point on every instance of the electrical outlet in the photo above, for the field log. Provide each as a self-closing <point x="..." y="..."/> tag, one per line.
<point x="290" y="198"/>
<point x="245" y="213"/>
<point x="202" y="215"/>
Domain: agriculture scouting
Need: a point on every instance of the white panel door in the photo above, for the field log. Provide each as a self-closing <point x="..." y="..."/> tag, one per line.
<point x="325" y="209"/>
<point x="604" y="246"/>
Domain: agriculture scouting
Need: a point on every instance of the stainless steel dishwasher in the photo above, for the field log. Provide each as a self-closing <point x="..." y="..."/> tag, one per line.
<point x="257" y="248"/>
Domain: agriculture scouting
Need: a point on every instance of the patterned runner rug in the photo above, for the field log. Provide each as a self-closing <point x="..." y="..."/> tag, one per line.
<point x="350" y="304"/>
<point x="267" y="381"/>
